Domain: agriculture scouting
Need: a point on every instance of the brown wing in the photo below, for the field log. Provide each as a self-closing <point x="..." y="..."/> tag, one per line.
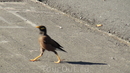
<point x="44" y="43"/>
<point x="50" y="44"/>
<point x="56" y="45"/>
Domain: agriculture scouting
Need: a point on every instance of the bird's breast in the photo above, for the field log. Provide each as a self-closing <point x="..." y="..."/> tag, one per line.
<point x="44" y="45"/>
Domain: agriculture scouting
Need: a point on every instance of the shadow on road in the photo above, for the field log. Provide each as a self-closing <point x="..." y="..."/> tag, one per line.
<point x="84" y="63"/>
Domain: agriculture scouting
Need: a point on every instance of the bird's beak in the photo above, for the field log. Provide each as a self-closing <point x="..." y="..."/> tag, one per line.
<point x="37" y="26"/>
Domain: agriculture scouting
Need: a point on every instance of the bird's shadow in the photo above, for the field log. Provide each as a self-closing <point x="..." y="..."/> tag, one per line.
<point x="84" y="63"/>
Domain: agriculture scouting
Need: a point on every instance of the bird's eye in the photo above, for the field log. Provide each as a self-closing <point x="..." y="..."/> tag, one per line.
<point x="42" y="28"/>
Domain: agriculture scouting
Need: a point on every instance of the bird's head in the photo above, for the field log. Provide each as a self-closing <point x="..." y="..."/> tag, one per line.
<point x="42" y="29"/>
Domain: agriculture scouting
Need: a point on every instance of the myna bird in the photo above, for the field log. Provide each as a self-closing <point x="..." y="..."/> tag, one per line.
<point x="46" y="43"/>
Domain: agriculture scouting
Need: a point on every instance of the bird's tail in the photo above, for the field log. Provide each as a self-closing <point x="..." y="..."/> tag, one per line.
<point x="62" y="50"/>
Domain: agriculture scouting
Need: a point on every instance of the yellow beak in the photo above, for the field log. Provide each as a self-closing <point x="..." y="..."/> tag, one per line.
<point x="37" y="26"/>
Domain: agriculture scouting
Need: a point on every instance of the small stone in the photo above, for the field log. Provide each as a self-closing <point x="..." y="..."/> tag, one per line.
<point x="60" y="27"/>
<point x="113" y="58"/>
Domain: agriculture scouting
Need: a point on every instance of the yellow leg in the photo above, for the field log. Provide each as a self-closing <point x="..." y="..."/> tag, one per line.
<point x="35" y="59"/>
<point x="59" y="60"/>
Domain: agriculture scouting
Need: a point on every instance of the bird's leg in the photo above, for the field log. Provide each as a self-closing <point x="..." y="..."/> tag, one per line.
<point x="35" y="59"/>
<point x="59" y="60"/>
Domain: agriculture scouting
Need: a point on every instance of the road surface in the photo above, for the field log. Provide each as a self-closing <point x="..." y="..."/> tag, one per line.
<point x="89" y="51"/>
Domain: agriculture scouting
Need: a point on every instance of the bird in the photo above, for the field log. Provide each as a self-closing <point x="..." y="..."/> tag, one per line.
<point x="47" y="43"/>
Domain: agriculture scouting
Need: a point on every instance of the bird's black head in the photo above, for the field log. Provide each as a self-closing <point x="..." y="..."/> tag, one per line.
<point x="42" y="29"/>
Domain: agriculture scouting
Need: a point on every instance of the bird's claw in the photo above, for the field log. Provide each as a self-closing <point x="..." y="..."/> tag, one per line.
<point x="33" y="60"/>
<point x="57" y="61"/>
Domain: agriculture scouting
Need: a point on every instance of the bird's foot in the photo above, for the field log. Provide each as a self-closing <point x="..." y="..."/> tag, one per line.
<point x="33" y="60"/>
<point x="58" y="61"/>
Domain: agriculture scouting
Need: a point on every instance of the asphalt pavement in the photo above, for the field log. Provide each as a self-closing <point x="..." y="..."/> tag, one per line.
<point x="112" y="14"/>
<point x="88" y="50"/>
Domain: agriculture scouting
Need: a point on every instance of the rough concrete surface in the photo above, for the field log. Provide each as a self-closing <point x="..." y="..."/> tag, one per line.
<point x="114" y="15"/>
<point x="89" y="51"/>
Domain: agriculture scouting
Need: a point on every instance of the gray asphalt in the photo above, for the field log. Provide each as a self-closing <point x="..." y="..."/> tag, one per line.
<point x="89" y="51"/>
<point x="112" y="14"/>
